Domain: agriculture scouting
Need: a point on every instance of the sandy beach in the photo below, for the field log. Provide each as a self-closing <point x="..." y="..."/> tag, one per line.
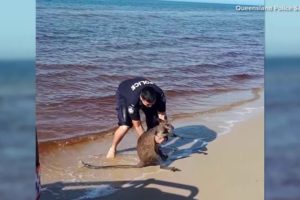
<point x="231" y="167"/>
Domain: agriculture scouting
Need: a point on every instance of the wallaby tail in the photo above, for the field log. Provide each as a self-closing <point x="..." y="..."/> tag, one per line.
<point x="90" y="166"/>
<point x="173" y="169"/>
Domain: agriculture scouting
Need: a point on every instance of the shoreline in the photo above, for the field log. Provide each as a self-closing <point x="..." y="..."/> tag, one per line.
<point x="256" y="92"/>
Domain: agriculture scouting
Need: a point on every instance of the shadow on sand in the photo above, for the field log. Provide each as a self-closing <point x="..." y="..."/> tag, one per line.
<point x="104" y="190"/>
<point x="189" y="139"/>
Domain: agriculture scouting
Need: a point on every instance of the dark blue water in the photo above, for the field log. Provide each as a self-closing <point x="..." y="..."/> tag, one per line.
<point x="17" y="125"/>
<point x="191" y="50"/>
<point x="282" y="146"/>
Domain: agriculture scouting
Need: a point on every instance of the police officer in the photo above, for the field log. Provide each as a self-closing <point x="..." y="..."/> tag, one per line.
<point x="132" y="96"/>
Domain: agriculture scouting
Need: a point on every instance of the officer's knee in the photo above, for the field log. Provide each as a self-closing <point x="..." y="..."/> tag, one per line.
<point x="124" y="128"/>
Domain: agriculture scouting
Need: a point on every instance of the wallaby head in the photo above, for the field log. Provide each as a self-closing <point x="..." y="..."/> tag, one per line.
<point x="164" y="129"/>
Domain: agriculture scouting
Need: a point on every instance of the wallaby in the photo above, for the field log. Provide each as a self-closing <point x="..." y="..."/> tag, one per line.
<point x="147" y="149"/>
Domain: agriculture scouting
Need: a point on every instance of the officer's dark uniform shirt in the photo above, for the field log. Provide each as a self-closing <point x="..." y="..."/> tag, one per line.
<point x="130" y="90"/>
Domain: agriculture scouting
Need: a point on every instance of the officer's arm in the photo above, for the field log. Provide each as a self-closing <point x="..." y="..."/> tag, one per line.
<point x="162" y="107"/>
<point x="138" y="127"/>
<point x="162" y="116"/>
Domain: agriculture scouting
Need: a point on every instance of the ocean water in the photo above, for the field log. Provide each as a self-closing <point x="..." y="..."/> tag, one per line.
<point x="197" y="53"/>
<point x="282" y="146"/>
<point x="17" y="127"/>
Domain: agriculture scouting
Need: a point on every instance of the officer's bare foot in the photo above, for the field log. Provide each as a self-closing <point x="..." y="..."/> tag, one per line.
<point x="111" y="153"/>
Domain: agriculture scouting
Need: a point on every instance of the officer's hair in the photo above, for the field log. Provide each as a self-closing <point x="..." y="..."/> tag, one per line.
<point x="148" y="94"/>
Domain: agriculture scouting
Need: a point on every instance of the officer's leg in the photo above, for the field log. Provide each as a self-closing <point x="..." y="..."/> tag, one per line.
<point x="124" y="125"/>
<point x="118" y="136"/>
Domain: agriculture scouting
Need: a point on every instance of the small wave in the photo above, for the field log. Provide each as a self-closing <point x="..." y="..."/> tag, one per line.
<point x="140" y="45"/>
<point x="64" y="70"/>
<point x="179" y="93"/>
<point x="232" y="54"/>
<point x="223" y="108"/>
<point x="112" y="78"/>
<point x="65" y="66"/>
<point x="106" y="100"/>
<point x="71" y="139"/>
<point x="199" y="38"/>
<point x="191" y="38"/>
<point x="202" y="69"/>
<point x="199" y="91"/>
<point x="242" y="77"/>
<point x="205" y="66"/>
